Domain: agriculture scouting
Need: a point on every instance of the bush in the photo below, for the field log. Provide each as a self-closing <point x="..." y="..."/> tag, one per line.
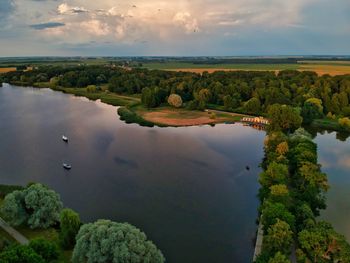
<point x="344" y="122"/>
<point x="91" y="88"/>
<point x="107" y="241"/>
<point x="20" y="254"/>
<point x="46" y="249"/>
<point x="129" y="116"/>
<point x="175" y="100"/>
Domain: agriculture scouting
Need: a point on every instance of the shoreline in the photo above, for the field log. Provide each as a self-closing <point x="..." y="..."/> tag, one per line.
<point x="131" y="110"/>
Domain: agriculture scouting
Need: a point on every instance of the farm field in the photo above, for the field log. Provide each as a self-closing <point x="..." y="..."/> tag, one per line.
<point x="5" y="70"/>
<point x="332" y="68"/>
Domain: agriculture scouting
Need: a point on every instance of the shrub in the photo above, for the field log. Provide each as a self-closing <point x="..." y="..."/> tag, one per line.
<point x="46" y="249"/>
<point x="344" y="122"/>
<point x="20" y="254"/>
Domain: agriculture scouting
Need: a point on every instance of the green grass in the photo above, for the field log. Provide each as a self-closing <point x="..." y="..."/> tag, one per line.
<point x="104" y="96"/>
<point x="329" y="124"/>
<point x="49" y="234"/>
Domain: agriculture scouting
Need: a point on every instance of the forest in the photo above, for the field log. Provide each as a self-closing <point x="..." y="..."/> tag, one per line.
<point x="321" y="100"/>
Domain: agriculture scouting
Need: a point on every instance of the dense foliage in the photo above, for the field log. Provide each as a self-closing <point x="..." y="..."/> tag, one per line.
<point x="243" y="91"/>
<point x="292" y="192"/>
<point x="20" y="254"/>
<point x="46" y="249"/>
<point x="69" y="226"/>
<point x="107" y="241"/>
<point x="36" y="206"/>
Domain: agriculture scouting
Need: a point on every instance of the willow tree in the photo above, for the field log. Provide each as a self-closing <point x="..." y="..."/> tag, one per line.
<point x="107" y="241"/>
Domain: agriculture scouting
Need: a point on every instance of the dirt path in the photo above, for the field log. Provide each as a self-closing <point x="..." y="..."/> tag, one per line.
<point x="13" y="232"/>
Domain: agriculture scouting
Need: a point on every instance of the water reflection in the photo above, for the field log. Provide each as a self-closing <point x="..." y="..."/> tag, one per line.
<point x="187" y="188"/>
<point x="334" y="155"/>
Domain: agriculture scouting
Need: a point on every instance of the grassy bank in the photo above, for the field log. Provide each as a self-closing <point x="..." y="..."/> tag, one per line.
<point x="329" y="124"/>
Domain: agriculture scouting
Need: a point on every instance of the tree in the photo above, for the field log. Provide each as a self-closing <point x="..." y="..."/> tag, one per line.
<point x="202" y="98"/>
<point x="282" y="148"/>
<point x="107" y="241"/>
<point x="46" y="249"/>
<point x="70" y="224"/>
<point x="175" y="100"/>
<point x="229" y="103"/>
<point x="275" y="173"/>
<point x="253" y="106"/>
<point x="322" y="244"/>
<point x="14" y="209"/>
<point x="148" y="98"/>
<point x="283" y="117"/>
<point x="20" y="254"/>
<point x="273" y="211"/>
<point x="279" y="238"/>
<point x="37" y="206"/>
<point x="280" y="193"/>
<point x="312" y="110"/>
<point x="279" y="258"/>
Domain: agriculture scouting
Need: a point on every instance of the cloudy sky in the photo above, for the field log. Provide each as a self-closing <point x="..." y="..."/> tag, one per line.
<point x="174" y="27"/>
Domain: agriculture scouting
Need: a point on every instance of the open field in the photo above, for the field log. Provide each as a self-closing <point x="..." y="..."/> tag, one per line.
<point x="5" y="70"/>
<point x="213" y="67"/>
<point x="181" y="117"/>
<point x="320" y="67"/>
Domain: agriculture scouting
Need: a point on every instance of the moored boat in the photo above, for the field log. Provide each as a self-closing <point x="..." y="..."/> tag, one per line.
<point x="67" y="166"/>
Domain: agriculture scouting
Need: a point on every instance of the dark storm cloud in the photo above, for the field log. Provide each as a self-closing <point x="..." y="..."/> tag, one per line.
<point x="47" y="25"/>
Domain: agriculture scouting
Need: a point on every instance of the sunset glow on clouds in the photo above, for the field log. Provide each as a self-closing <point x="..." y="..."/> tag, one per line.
<point x="182" y="27"/>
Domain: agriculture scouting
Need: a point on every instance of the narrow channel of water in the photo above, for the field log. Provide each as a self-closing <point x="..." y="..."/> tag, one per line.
<point x="334" y="155"/>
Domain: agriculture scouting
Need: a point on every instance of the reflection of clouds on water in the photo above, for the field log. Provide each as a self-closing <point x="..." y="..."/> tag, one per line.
<point x="334" y="155"/>
<point x="344" y="162"/>
<point x="198" y="162"/>
<point x="121" y="161"/>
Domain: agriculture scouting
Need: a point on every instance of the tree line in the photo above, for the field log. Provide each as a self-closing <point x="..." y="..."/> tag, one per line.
<point x="292" y="193"/>
<point x="250" y="92"/>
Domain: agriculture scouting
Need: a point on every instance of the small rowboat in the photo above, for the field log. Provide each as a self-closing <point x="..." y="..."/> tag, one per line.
<point x="67" y="166"/>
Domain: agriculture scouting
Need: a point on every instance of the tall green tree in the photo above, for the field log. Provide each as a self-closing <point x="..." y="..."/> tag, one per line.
<point x="69" y="227"/>
<point x="284" y="117"/>
<point x="37" y="206"/>
<point x="279" y="238"/>
<point x="107" y="241"/>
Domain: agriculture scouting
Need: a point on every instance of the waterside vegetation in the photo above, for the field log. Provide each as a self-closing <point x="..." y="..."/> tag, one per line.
<point x="322" y="101"/>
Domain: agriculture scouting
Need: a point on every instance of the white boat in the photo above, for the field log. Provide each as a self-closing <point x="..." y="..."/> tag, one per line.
<point x="65" y="138"/>
<point x="67" y="166"/>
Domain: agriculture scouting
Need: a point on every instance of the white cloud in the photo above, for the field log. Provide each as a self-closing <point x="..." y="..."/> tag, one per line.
<point x="185" y="19"/>
<point x="96" y="27"/>
<point x="64" y="9"/>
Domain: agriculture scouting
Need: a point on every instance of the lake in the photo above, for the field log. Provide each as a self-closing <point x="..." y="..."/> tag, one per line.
<point x="187" y="188"/>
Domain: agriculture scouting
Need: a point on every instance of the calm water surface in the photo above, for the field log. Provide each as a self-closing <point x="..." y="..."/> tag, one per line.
<point x="334" y="155"/>
<point x="187" y="188"/>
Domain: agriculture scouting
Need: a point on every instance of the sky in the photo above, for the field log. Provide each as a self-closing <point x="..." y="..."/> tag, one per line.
<point x="174" y="27"/>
